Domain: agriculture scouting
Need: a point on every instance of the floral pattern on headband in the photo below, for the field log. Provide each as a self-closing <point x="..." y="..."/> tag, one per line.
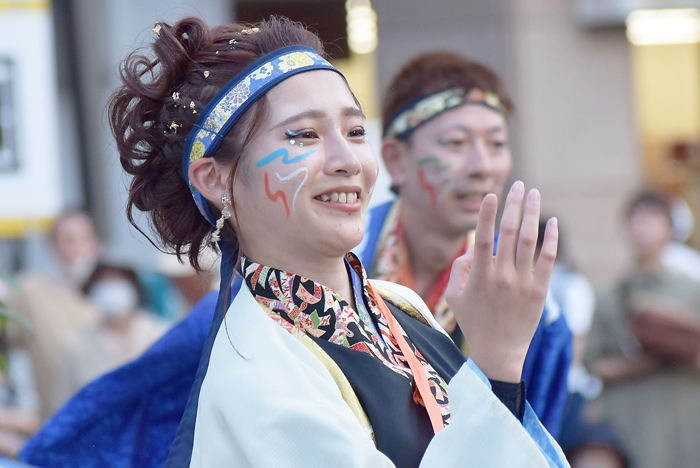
<point x="240" y="93"/>
<point x="294" y="60"/>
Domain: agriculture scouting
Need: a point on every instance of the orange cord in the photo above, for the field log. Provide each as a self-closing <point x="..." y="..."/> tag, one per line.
<point x="419" y="375"/>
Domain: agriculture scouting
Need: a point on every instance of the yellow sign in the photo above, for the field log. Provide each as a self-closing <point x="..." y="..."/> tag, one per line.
<point x="17" y="228"/>
<point x="24" y="5"/>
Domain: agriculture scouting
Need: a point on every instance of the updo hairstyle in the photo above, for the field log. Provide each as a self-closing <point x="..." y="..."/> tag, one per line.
<point x="151" y="114"/>
<point x="434" y="72"/>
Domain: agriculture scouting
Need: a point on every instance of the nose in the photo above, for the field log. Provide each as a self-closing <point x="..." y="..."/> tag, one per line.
<point x="340" y="158"/>
<point x="476" y="163"/>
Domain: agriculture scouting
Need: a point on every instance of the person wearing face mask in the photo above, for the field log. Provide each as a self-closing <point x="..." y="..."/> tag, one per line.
<point x="124" y="331"/>
<point x="446" y="146"/>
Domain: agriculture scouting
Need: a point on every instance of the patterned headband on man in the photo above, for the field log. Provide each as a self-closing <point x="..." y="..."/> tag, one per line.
<point x="428" y="107"/>
<point x="222" y="112"/>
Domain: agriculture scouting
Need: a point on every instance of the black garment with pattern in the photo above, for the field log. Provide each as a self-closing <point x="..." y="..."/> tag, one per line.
<point x="402" y="428"/>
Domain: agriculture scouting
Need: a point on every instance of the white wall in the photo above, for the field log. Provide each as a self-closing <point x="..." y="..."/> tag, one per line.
<point x="34" y="190"/>
<point x="106" y="32"/>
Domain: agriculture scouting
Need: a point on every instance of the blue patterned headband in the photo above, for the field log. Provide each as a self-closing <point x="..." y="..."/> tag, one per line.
<point x="428" y="107"/>
<point x="235" y="98"/>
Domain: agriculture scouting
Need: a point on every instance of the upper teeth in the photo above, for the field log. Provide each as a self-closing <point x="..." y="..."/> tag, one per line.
<point x="340" y="197"/>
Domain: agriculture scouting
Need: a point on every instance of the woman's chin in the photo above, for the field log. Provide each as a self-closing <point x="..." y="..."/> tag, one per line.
<point x="339" y="243"/>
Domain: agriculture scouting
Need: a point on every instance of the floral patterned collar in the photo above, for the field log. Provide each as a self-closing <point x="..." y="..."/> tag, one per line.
<point x="300" y="305"/>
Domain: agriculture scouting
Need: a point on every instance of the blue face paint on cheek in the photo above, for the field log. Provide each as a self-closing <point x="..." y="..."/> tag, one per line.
<point x="284" y="154"/>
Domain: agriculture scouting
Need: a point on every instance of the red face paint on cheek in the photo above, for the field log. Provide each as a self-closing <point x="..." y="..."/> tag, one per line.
<point x="276" y="196"/>
<point x="427" y="186"/>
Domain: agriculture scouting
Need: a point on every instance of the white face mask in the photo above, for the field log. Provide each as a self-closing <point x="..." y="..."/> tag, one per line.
<point x="115" y="297"/>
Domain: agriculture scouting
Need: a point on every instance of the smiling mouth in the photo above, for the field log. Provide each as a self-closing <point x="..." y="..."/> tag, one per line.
<point x="471" y="197"/>
<point x="338" y="197"/>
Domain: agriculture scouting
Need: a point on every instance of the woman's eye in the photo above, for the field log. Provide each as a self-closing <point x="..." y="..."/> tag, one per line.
<point x="300" y="134"/>
<point x="357" y="132"/>
<point x="499" y="144"/>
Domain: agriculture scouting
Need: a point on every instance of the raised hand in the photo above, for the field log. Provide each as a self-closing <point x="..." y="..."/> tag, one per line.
<point x="498" y="299"/>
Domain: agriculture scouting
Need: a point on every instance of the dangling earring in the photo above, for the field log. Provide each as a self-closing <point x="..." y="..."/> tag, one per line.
<point x="225" y="214"/>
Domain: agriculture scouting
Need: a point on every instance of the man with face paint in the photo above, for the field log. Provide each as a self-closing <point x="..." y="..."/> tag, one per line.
<point x="446" y="146"/>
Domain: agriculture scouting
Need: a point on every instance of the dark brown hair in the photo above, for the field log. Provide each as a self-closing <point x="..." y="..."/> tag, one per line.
<point x="142" y="112"/>
<point x="434" y="72"/>
<point x="657" y="201"/>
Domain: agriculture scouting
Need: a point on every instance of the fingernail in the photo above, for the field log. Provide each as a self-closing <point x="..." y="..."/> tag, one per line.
<point x="533" y="196"/>
<point x="518" y="188"/>
<point x="554" y="224"/>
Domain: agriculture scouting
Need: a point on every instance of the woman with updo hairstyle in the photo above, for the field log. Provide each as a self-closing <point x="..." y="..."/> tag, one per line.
<point x="446" y="146"/>
<point x="247" y="137"/>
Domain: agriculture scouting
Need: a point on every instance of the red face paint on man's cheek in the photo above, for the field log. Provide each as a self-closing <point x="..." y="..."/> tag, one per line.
<point x="427" y="186"/>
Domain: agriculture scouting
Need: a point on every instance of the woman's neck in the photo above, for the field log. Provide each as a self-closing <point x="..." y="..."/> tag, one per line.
<point x="430" y="251"/>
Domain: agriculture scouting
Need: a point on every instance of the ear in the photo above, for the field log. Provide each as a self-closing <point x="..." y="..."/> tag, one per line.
<point x="396" y="154"/>
<point x="210" y="178"/>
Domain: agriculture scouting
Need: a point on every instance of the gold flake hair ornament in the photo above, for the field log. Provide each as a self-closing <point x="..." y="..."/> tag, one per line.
<point x="428" y="107"/>
<point x="250" y="31"/>
<point x="156" y="30"/>
<point x="206" y="73"/>
<point x="176" y="95"/>
<point x="173" y="126"/>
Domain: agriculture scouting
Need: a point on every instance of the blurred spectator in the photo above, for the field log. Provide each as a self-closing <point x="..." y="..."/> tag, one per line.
<point x="124" y="331"/>
<point x="678" y="256"/>
<point x="55" y="307"/>
<point x="75" y="245"/>
<point x="645" y="343"/>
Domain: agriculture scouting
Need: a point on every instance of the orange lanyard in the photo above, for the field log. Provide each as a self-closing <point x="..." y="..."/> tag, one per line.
<point x="420" y="377"/>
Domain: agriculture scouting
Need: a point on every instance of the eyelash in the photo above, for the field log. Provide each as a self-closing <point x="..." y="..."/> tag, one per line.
<point x="358" y="132"/>
<point x="303" y="134"/>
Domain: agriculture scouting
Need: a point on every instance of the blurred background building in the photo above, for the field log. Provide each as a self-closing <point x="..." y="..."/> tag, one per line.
<point x="607" y="100"/>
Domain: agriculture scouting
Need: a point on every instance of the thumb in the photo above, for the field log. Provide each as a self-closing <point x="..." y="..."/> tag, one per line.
<point x="459" y="275"/>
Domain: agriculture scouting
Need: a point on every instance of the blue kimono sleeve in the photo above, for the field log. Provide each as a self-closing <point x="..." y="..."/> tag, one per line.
<point x="547" y="367"/>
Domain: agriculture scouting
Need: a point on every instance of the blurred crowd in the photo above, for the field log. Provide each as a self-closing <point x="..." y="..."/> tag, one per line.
<point x="84" y="318"/>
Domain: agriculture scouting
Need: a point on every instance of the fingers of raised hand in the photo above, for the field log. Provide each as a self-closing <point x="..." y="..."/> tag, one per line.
<point x="510" y="227"/>
<point x="548" y="254"/>
<point x="527" y="240"/>
<point x="485" y="233"/>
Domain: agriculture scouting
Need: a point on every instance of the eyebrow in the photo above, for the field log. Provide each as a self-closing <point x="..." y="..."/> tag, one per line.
<point x="316" y="114"/>
<point x="491" y="130"/>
